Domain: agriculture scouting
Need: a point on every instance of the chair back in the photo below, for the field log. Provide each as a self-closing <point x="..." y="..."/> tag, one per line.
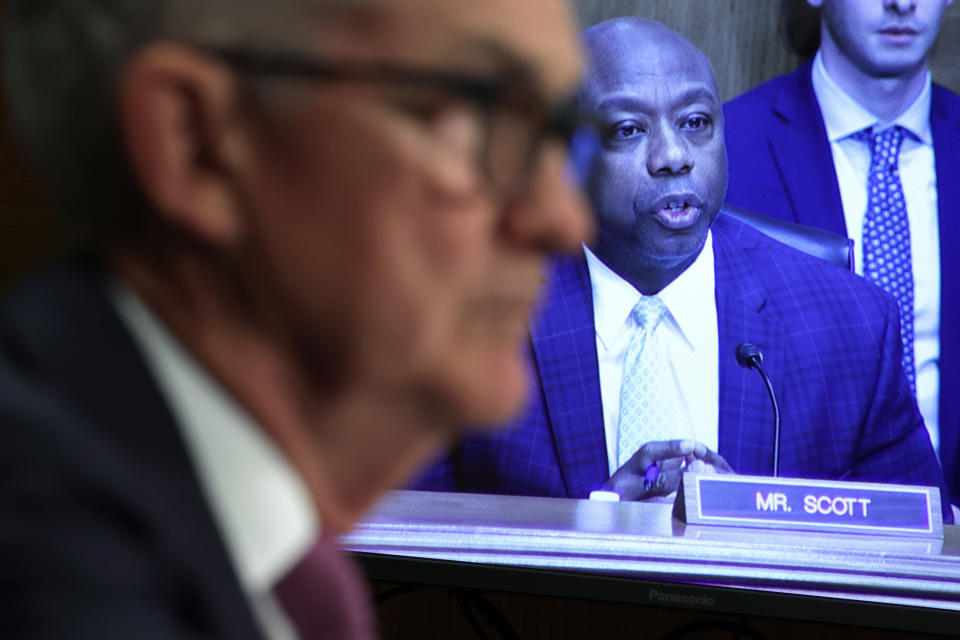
<point x="826" y="245"/>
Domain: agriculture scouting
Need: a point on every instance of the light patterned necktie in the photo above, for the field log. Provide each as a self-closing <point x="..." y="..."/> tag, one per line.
<point x="645" y="414"/>
<point x="886" y="233"/>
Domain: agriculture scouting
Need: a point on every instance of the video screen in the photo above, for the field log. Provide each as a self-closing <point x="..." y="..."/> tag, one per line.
<point x="687" y="346"/>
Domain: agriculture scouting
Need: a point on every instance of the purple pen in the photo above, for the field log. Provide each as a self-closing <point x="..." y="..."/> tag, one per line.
<point x="650" y="476"/>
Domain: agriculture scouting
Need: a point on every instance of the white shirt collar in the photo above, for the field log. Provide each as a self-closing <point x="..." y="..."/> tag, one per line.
<point x="614" y="297"/>
<point x="261" y="505"/>
<point x="843" y="115"/>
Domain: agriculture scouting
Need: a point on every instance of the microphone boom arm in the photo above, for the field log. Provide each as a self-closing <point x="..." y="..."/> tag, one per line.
<point x="776" y="417"/>
<point x="750" y="356"/>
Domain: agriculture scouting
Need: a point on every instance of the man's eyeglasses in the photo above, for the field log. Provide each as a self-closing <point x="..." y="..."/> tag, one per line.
<point x="517" y="119"/>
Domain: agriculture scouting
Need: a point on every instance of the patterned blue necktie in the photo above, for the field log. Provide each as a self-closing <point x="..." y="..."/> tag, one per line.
<point x="886" y="233"/>
<point x="645" y="412"/>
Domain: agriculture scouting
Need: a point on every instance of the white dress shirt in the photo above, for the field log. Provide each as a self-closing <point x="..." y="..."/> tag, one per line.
<point x="259" y="502"/>
<point x="843" y="116"/>
<point x="688" y="335"/>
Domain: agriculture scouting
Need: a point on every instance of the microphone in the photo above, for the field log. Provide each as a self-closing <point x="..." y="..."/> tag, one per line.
<point x="749" y="356"/>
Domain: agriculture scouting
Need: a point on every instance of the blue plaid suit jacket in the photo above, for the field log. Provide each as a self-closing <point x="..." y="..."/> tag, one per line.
<point x="781" y="165"/>
<point x="831" y="347"/>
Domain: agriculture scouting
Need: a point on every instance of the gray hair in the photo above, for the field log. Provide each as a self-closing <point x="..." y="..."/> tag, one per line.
<point x="63" y="59"/>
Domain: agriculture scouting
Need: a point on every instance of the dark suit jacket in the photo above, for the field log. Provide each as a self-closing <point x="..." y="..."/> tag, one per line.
<point x="831" y="347"/>
<point x="781" y="165"/>
<point x="104" y="532"/>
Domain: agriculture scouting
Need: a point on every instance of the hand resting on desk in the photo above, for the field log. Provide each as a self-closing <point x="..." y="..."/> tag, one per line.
<point x="673" y="457"/>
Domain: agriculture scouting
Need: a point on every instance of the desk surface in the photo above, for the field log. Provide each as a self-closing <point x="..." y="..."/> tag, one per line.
<point x="643" y="540"/>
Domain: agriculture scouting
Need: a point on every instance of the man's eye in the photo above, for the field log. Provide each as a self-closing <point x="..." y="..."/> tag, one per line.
<point x="696" y="123"/>
<point x="625" y="131"/>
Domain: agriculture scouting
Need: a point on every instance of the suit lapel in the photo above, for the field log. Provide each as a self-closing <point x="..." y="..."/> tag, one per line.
<point x="945" y="126"/>
<point x="801" y="152"/>
<point x="744" y="316"/>
<point x="565" y="349"/>
<point x="61" y="328"/>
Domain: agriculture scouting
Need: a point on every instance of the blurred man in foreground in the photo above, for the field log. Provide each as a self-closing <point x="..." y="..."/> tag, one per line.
<point x="636" y="347"/>
<point x="310" y="234"/>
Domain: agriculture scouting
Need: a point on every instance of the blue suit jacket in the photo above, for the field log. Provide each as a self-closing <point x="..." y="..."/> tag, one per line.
<point x="831" y="347"/>
<point x="781" y="165"/>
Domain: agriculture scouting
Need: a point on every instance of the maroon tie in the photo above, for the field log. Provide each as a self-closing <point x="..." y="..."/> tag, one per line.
<point x="325" y="597"/>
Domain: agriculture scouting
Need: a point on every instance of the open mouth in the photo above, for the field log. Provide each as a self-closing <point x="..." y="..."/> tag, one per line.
<point x="679" y="211"/>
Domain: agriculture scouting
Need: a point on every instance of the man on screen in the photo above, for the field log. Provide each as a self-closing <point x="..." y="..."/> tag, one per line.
<point x="635" y="347"/>
<point x="821" y="145"/>
<point x="310" y="234"/>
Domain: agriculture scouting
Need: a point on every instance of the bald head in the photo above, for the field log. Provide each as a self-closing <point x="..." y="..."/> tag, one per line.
<point x="629" y="49"/>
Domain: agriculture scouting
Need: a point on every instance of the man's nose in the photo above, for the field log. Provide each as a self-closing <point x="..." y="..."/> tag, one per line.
<point x="901" y="6"/>
<point x="551" y="214"/>
<point x="668" y="153"/>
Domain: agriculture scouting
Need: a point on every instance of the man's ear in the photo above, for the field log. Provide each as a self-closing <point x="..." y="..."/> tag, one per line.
<point x="182" y="128"/>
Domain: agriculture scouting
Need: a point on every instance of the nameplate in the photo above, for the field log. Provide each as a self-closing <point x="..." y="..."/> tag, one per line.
<point x="809" y="505"/>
